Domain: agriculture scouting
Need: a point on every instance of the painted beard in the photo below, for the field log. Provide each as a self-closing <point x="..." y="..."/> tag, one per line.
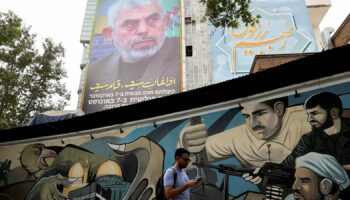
<point x="130" y="54"/>
<point x="328" y="123"/>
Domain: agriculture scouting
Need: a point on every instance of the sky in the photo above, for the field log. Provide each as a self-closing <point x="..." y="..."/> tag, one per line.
<point x="62" y="21"/>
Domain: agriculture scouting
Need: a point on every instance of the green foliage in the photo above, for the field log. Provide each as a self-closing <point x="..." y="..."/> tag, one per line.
<point x="30" y="80"/>
<point x="227" y="13"/>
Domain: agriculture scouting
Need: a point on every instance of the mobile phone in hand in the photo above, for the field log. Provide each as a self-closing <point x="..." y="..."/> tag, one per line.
<point x="199" y="180"/>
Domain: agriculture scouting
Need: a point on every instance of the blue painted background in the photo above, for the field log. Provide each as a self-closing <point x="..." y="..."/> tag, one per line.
<point x="232" y="56"/>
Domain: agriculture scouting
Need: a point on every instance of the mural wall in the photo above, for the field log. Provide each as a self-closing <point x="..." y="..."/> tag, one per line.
<point x="284" y="27"/>
<point x="134" y="55"/>
<point x="259" y="150"/>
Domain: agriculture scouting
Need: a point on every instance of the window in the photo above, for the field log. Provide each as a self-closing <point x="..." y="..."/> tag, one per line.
<point x="188" y="20"/>
<point x="188" y="51"/>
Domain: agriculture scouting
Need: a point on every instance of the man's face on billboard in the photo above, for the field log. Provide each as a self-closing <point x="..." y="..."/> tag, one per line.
<point x="261" y="119"/>
<point x="319" y="118"/>
<point x="139" y="32"/>
<point x="306" y="185"/>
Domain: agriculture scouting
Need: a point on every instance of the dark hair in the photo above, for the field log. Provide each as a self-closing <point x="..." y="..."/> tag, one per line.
<point x="272" y="102"/>
<point x="326" y="100"/>
<point x="345" y="193"/>
<point x="181" y="151"/>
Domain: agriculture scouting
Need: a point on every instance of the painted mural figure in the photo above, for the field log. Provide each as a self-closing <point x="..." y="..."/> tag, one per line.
<point x="180" y="190"/>
<point x="319" y="177"/>
<point x="330" y="132"/>
<point x="270" y="134"/>
<point x="67" y="172"/>
<point x="38" y="160"/>
<point x="328" y="135"/>
<point x="53" y="165"/>
<point x="146" y="58"/>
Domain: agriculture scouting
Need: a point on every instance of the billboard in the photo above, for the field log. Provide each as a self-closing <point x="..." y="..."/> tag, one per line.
<point x="284" y="27"/>
<point x="277" y="135"/>
<point x="134" y="55"/>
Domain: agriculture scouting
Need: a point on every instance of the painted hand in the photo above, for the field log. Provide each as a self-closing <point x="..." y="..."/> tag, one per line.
<point x="193" y="138"/>
<point x="46" y="188"/>
<point x="253" y="178"/>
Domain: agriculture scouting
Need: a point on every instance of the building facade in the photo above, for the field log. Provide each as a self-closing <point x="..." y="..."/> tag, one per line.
<point x="206" y="56"/>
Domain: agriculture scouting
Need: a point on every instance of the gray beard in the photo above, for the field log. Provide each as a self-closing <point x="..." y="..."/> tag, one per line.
<point x="132" y="55"/>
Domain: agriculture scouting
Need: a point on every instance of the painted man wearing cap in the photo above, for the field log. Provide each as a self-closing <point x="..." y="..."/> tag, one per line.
<point x="319" y="176"/>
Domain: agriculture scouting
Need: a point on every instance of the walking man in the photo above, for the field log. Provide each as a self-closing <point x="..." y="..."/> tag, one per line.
<point x="178" y="188"/>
